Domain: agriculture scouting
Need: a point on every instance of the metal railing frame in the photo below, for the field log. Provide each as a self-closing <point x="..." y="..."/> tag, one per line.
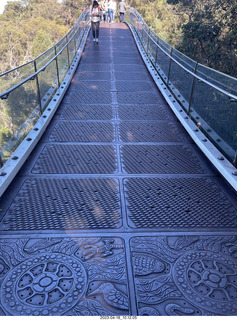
<point x="5" y="94"/>
<point x="34" y="76"/>
<point x="231" y="96"/>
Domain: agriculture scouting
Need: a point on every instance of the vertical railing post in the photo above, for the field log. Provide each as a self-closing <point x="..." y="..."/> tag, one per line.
<point x="192" y="89"/>
<point x="75" y="44"/>
<point x="68" y="53"/>
<point x="38" y="88"/>
<point x="1" y="162"/>
<point x="168" y="77"/>
<point x="56" y="59"/>
<point x="157" y="47"/>
<point x="235" y="160"/>
<point x="148" y="42"/>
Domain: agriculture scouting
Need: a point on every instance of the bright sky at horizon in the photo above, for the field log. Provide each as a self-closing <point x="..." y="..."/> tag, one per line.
<point x="2" y="5"/>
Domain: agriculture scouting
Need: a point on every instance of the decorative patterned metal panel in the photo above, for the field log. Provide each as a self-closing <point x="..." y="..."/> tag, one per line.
<point x="173" y="203"/>
<point x="71" y="276"/>
<point x="185" y="275"/>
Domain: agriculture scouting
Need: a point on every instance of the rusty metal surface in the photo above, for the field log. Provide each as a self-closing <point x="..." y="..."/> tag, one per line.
<point x="117" y="212"/>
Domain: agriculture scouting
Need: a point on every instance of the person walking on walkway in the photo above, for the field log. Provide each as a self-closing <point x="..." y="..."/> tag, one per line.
<point x="110" y="11"/>
<point x="106" y="9"/>
<point x="114" y="7"/>
<point x="122" y="10"/>
<point x="95" y="21"/>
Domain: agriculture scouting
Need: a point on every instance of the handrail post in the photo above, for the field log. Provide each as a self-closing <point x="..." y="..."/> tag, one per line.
<point x="38" y="88"/>
<point x="75" y="44"/>
<point x="55" y="50"/>
<point x="192" y="89"/>
<point x="157" y="50"/>
<point x="1" y="162"/>
<point x="168" y="77"/>
<point x="235" y="160"/>
<point x="148" y="42"/>
<point x="67" y="52"/>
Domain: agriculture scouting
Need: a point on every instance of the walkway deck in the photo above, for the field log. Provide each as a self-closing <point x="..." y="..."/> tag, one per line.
<point x="117" y="212"/>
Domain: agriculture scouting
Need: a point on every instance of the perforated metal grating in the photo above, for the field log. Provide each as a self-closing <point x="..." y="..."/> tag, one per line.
<point x="92" y="86"/>
<point x="98" y="59"/>
<point x="82" y="131"/>
<point x="178" y="203"/>
<point x="86" y="112"/>
<point x="124" y="60"/>
<point x="89" y="67"/>
<point x="136" y="86"/>
<point x="62" y="204"/>
<point x="88" y="97"/>
<point x="131" y="76"/>
<point x="139" y="98"/>
<point x="143" y="112"/>
<point x="90" y="75"/>
<point x="130" y="68"/>
<point x="150" y="131"/>
<point x="175" y="159"/>
<point x="74" y="159"/>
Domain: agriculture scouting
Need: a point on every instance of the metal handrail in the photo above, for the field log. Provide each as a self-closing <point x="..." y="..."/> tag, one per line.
<point x="166" y="60"/>
<point x="5" y="94"/>
<point x="70" y="43"/>
<point x="187" y="70"/>
<point x="31" y="61"/>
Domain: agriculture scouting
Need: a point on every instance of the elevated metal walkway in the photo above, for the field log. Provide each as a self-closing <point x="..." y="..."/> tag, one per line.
<point x="116" y="211"/>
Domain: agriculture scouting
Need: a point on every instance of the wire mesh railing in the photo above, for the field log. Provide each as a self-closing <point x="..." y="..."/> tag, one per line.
<point x="26" y="91"/>
<point x="207" y="96"/>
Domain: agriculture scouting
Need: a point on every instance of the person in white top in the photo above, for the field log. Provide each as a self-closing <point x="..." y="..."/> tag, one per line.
<point x="114" y="7"/>
<point x="95" y="21"/>
<point x="122" y="10"/>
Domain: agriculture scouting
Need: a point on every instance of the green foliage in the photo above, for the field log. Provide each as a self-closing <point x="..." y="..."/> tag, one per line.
<point x="210" y="34"/>
<point x="205" y="30"/>
<point x="29" y="27"/>
<point x="41" y="42"/>
<point x="5" y="135"/>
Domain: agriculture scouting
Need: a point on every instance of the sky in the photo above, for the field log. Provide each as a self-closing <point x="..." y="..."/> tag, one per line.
<point x="2" y="5"/>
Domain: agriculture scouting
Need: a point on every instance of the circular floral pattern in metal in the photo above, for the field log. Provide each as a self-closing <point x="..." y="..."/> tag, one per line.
<point x="208" y="280"/>
<point x="49" y="284"/>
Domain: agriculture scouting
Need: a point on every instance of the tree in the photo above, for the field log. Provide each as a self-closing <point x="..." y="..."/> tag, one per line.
<point x="41" y="43"/>
<point x="209" y="36"/>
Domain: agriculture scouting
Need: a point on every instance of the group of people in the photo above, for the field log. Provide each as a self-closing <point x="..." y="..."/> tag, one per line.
<point x="108" y="8"/>
<point x="105" y="11"/>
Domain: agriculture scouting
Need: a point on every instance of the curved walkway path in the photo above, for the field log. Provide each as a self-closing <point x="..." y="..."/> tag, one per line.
<point x="117" y="212"/>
